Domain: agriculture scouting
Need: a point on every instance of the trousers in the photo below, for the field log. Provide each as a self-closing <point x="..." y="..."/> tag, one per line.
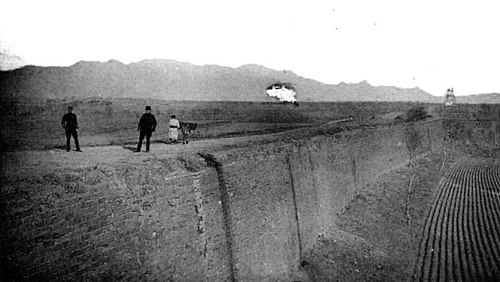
<point x="173" y="134"/>
<point x="143" y="134"/>
<point x="69" y="133"/>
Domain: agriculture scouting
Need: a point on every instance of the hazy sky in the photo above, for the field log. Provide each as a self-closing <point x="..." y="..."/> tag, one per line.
<point x="431" y="44"/>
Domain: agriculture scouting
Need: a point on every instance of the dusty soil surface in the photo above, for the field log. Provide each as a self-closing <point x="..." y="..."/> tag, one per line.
<point x="379" y="233"/>
<point x="36" y="161"/>
<point x="58" y="159"/>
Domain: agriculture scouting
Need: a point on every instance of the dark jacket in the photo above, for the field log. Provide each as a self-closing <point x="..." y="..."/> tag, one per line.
<point x="69" y="121"/>
<point x="147" y="123"/>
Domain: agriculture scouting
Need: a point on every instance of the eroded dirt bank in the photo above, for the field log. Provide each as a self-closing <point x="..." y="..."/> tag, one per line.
<point x="443" y="228"/>
<point x="379" y="232"/>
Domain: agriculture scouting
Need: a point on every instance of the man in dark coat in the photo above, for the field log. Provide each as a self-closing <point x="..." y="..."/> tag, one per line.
<point x="147" y="124"/>
<point x="70" y="124"/>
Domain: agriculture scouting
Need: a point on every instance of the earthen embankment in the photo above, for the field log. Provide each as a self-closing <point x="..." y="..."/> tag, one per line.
<point x="247" y="213"/>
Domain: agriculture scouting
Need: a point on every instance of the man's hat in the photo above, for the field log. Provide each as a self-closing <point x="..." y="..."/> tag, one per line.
<point x="172" y="116"/>
<point x="70" y="108"/>
<point x="148" y="108"/>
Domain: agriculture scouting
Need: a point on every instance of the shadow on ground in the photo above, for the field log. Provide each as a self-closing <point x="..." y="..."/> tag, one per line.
<point x="129" y="148"/>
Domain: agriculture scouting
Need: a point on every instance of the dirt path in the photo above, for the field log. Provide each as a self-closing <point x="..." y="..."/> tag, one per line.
<point x="12" y="163"/>
<point x="50" y="160"/>
<point x="462" y="232"/>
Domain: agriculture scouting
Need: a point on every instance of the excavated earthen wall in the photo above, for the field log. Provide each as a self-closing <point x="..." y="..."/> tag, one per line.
<point x="127" y="222"/>
<point x="238" y="214"/>
<point x="475" y="130"/>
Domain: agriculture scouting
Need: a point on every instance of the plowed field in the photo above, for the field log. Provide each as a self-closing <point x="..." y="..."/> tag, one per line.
<point x="461" y="240"/>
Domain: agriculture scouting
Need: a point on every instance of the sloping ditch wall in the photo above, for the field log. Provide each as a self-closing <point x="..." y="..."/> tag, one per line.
<point x="238" y="214"/>
<point x="474" y="129"/>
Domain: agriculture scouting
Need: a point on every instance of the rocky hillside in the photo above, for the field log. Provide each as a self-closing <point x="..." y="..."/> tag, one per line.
<point x="172" y="80"/>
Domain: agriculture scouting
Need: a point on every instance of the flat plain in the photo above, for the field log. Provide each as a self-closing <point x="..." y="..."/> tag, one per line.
<point x="37" y="125"/>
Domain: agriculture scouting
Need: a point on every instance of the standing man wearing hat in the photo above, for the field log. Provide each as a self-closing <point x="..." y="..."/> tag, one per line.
<point x="70" y="124"/>
<point x="147" y="124"/>
<point x="173" y="133"/>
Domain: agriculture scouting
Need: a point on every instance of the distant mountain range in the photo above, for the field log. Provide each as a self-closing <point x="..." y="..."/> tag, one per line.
<point x="172" y="80"/>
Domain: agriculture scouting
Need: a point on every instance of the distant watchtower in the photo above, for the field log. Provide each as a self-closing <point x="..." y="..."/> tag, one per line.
<point x="449" y="97"/>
